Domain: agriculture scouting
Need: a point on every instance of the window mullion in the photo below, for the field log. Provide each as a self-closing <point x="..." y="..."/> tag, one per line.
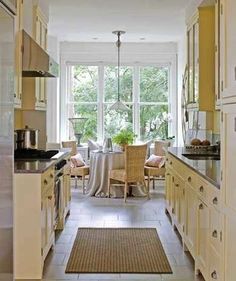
<point x="100" y="123"/>
<point x="136" y="111"/>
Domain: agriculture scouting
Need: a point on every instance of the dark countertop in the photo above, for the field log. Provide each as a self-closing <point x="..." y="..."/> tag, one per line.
<point x="37" y="166"/>
<point x="208" y="169"/>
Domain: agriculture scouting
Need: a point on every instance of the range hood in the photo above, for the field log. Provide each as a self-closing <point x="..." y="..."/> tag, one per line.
<point x="35" y="61"/>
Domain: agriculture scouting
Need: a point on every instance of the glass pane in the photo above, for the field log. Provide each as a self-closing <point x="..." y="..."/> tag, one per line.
<point x="190" y="67"/>
<point x="126" y="83"/>
<point x="84" y="83"/>
<point x="87" y="127"/>
<point x="196" y="62"/>
<point x="115" y="121"/>
<point x="154" y="84"/>
<point x="154" y="120"/>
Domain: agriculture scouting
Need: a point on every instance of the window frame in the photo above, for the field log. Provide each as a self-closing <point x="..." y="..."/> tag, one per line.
<point x="136" y="95"/>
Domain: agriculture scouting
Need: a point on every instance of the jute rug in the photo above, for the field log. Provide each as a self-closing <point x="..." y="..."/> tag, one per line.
<point x="118" y="250"/>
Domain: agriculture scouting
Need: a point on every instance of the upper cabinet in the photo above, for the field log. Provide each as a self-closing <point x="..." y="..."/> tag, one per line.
<point x="34" y="89"/>
<point x="201" y="60"/>
<point x="18" y="54"/>
<point x="40" y="36"/>
<point x="227" y="50"/>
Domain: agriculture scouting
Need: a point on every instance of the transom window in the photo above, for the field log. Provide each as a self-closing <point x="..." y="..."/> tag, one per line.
<point x="92" y="89"/>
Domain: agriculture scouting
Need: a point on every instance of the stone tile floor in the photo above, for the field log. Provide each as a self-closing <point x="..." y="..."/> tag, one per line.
<point x="107" y="212"/>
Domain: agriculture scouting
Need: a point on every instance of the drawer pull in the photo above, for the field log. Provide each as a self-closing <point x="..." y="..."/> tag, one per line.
<point x="50" y="197"/>
<point x="51" y="176"/>
<point x="214" y="275"/>
<point x="170" y="162"/>
<point x="215" y="201"/>
<point x="167" y="174"/>
<point x="177" y="185"/>
<point x="214" y="234"/>
<point x="201" y="189"/>
<point x="45" y="182"/>
<point x="189" y="179"/>
<point x="201" y="207"/>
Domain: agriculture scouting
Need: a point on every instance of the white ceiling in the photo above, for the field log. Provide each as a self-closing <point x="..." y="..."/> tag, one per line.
<point x="94" y="20"/>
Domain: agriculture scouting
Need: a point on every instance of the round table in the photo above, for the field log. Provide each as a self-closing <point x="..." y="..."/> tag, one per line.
<point x="100" y="165"/>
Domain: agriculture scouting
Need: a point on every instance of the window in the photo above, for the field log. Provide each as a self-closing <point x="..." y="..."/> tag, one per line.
<point x="144" y="89"/>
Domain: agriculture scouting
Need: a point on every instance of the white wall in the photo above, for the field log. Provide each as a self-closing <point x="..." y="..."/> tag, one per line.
<point x="106" y="53"/>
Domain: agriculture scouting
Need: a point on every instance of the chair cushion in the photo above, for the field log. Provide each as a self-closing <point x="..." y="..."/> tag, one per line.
<point x="77" y="161"/>
<point x="155" y="161"/>
<point x="118" y="174"/>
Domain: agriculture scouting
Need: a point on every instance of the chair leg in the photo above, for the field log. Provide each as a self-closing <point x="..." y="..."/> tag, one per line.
<point x="148" y="182"/>
<point x="147" y="189"/>
<point x="76" y="179"/>
<point x="125" y="191"/>
<point x="109" y="186"/>
<point x="153" y="183"/>
<point x="83" y="184"/>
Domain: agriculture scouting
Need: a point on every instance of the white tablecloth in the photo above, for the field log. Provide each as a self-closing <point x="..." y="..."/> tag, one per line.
<point x="100" y="165"/>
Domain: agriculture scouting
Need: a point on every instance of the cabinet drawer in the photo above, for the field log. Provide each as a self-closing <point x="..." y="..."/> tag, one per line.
<point x="47" y="179"/>
<point x="216" y="223"/>
<point x="214" y="196"/>
<point x="202" y="189"/>
<point x="214" y="266"/>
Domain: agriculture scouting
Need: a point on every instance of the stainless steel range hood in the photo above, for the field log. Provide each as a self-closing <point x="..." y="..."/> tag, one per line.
<point x="35" y="61"/>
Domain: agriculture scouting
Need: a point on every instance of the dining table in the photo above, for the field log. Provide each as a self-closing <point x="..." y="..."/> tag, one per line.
<point x="100" y="165"/>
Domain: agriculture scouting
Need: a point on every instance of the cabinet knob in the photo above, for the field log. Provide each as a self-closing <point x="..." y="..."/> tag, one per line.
<point x="170" y="162"/>
<point x="51" y="176"/>
<point x="214" y="275"/>
<point x="215" y="201"/>
<point x="214" y="234"/>
<point x="177" y="185"/>
<point x="201" y="207"/>
<point x="167" y="174"/>
<point x="201" y="188"/>
<point x="189" y="179"/>
<point x="50" y="197"/>
<point x="45" y="182"/>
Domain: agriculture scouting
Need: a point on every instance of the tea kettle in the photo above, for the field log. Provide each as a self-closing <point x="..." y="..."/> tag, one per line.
<point x="107" y="145"/>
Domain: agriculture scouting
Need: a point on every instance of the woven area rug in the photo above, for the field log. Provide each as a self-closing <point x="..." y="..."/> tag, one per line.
<point x="118" y="250"/>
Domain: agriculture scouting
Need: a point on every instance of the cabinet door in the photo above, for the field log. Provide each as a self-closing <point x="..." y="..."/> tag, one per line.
<point x="50" y="214"/>
<point x="228" y="155"/>
<point x="190" y="67"/>
<point x="203" y="237"/>
<point x="182" y="206"/>
<point x="217" y="54"/>
<point x="196" y="62"/>
<point x="18" y="55"/>
<point x="191" y="227"/>
<point x="228" y="11"/>
<point x="44" y="222"/>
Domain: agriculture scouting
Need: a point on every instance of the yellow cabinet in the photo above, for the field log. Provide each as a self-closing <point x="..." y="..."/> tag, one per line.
<point x="191" y="222"/>
<point x="203" y="238"/>
<point x="201" y="59"/>
<point x="18" y="55"/>
<point x="227" y="50"/>
<point x="217" y="55"/>
<point x="40" y="36"/>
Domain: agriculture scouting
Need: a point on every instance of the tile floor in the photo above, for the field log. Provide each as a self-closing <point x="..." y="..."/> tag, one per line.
<point x="137" y="212"/>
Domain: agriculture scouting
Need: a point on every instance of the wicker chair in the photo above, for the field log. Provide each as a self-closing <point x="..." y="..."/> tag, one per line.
<point x="133" y="172"/>
<point x="76" y="172"/>
<point x="156" y="173"/>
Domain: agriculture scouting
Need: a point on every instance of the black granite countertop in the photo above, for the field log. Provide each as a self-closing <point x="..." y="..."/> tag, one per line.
<point x="208" y="169"/>
<point x="37" y="166"/>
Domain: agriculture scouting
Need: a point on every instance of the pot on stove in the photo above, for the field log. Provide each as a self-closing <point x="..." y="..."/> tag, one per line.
<point x="26" y="138"/>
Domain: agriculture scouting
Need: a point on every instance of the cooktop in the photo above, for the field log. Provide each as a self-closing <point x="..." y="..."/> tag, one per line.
<point x="34" y="154"/>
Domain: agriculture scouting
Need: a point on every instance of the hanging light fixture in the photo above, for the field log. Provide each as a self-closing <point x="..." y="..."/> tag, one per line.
<point x="118" y="105"/>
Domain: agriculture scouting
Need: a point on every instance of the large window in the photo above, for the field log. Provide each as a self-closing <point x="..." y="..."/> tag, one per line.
<point x="144" y="89"/>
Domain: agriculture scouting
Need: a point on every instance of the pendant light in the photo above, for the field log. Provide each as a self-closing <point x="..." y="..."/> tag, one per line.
<point x="119" y="105"/>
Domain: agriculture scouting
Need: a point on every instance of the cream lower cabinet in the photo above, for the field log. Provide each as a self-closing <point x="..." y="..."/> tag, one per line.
<point x="33" y="223"/>
<point x="202" y="237"/>
<point x="195" y="208"/>
<point x="191" y="220"/>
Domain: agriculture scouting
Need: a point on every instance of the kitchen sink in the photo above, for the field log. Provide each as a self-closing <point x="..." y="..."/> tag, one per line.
<point x="202" y="156"/>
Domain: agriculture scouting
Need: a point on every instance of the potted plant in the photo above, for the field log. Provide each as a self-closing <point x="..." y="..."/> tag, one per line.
<point x="124" y="137"/>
